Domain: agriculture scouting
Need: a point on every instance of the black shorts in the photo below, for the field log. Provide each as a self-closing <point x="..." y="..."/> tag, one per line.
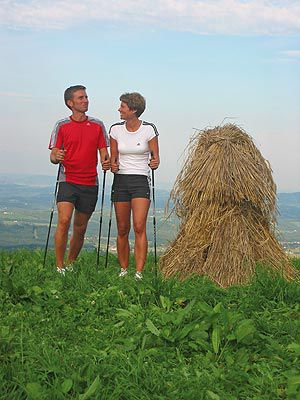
<point x="83" y="197"/>
<point x="127" y="187"/>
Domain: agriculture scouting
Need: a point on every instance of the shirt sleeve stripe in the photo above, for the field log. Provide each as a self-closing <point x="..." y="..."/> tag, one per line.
<point x="116" y="124"/>
<point x="55" y="130"/>
<point x="153" y="126"/>
<point x="99" y="122"/>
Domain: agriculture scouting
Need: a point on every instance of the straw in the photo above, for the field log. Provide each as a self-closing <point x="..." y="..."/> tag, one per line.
<point x="225" y="198"/>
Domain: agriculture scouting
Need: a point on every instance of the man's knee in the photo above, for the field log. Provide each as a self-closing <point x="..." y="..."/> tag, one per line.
<point x="123" y="231"/>
<point x="80" y="229"/>
<point x="64" y="222"/>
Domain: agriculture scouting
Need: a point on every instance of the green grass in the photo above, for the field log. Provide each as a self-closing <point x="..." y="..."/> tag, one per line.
<point x="91" y="335"/>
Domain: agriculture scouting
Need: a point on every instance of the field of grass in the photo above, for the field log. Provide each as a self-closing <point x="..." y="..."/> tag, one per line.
<point x="92" y="335"/>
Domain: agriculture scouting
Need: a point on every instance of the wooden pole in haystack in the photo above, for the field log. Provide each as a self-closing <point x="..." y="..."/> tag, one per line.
<point x="225" y="198"/>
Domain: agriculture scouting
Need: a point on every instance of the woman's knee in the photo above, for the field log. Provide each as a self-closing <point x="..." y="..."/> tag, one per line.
<point x="139" y="228"/>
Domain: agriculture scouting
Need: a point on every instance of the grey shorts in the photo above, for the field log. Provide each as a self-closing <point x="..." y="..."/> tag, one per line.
<point x="128" y="187"/>
<point x="83" y="197"/>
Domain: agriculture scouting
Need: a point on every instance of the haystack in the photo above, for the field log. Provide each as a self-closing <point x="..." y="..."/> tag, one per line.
<point x="225" y="198"/>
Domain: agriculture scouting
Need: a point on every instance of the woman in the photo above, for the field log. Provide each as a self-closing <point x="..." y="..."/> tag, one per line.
<point x="132" y="141"/>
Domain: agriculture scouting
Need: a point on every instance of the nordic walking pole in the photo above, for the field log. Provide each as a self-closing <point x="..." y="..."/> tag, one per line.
<point x="101" y="215"/>
<point x="109" y="224"/>
<point x="51" y="214"/>
<point x="154" y="218"/>
<point x="109" y="227"/>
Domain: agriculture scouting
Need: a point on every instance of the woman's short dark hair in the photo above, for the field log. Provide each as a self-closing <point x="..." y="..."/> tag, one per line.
<point x="69" y="93"/>
<point x="135" y="101"/>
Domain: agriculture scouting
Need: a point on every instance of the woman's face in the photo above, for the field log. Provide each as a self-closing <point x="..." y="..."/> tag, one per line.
<point x="125" y="112"/>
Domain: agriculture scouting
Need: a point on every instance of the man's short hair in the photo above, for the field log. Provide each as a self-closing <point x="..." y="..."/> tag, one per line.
<point x="69" y="93"/>
<point x="135" y="101"/>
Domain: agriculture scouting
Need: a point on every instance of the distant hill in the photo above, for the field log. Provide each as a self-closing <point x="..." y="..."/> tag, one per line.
<point x="40" y="197"/>
<point x="25" y="206"/>
<point x="19" y="190"/>
<point x="28" y="180"/>
<point x="289" y="205"/>
<point x="49" y="180"/>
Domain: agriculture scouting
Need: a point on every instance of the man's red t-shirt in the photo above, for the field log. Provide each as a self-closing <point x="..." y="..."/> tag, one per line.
<point x="81" y="141"/>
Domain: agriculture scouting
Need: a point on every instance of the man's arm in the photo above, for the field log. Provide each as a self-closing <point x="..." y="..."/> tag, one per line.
<point x="104" y="158"/>
<point x="57" y="155"/>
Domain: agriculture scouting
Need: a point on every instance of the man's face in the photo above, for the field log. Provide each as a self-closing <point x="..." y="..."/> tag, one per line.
<point x="80" y="102"/>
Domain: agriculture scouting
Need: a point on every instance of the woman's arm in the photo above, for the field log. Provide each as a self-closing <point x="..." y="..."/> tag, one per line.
<point x="114" y="155"/>
<point x="154" y="150"/>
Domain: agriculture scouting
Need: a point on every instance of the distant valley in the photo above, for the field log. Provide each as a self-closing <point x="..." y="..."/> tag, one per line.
<point x="25" y="204"/>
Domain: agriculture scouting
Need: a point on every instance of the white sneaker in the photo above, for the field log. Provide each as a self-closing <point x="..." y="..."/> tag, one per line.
<point x="123" y="272"/>
<point x="69" y="268"/>
<point x="138" y="276"/>
<point x="61" y="271"/>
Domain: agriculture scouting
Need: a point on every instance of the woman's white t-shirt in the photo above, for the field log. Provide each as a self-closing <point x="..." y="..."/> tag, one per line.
<point x="133" y="147"/>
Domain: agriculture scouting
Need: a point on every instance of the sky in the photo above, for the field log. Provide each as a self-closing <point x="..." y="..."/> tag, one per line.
<point x="198" y="64"/>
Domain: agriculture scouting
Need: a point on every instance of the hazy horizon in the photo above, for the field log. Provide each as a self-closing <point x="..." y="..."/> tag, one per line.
<point x="30" y="178"/>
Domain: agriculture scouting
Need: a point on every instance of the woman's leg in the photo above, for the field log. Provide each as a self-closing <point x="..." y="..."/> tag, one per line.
<point x="123" y="210"/>
<point x="140" y="208"/>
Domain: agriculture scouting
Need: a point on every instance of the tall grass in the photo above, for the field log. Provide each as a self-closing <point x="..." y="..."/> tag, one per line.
<point x="92" y="335"/>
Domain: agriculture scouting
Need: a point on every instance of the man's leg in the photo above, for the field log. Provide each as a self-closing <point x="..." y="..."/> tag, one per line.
<point x="140" y="208"/>
<point x="79" y="228"/>
<point x="122" y="211"/>
<point x="65" y="211"/>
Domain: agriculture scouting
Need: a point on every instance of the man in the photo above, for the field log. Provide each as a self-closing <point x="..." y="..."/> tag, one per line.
<point x="74" y="144"/>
